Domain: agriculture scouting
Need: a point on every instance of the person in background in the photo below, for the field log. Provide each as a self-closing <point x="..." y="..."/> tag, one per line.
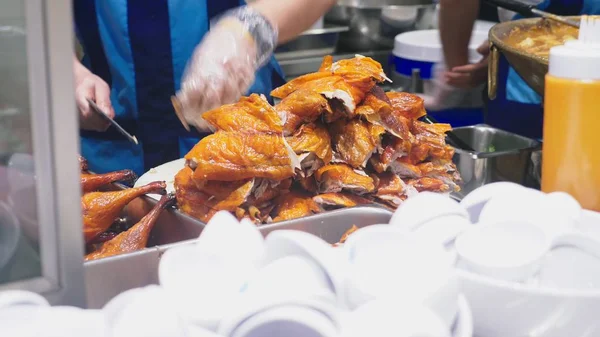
<point x="138" y="53"/>
<point x="517" y="107"/>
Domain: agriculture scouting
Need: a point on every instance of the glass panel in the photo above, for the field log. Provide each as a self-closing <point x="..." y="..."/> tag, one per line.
<point x="19" y="233"/>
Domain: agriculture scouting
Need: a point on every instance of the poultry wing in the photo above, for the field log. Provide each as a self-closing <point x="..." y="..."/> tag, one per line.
<point x="92" y="182"/>
<point x="136" y="237"/>
<point x="100" y="209"/>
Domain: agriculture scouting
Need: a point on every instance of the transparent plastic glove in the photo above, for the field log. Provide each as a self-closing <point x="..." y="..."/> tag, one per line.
<point x="88" y="85"/>
<point x="222" y="67"/>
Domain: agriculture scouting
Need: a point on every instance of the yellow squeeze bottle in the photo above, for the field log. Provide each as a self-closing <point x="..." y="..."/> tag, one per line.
<point x="571" y="150"/>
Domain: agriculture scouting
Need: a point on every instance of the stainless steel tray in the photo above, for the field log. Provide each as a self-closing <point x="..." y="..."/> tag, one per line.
<point x="330" y="226"/>
<point x="108" y="277"/>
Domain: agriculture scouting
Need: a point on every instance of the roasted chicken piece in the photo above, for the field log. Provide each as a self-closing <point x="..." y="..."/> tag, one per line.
<point x="293" y="85"/>
<point x="430" y="141"/>
<point x="406" y="104"/>
<point x="308" y="184"/>
<point x="429" y="184"/>
<point x="136" y="237"/>
<point x="355" y="141"/>
<point x="266" y="190"/>
<point x="83" y="164"/>
<point x="295" y="205"/>
<point x="251" y="114"/>
<point x="392" y="190"/>
<point x="232" y="156"/>
<point x="378" y="109"/>
<point x="360" y="72"/>
<point x="316" y="98"/>
<point x="312" y="144"/>
<point x="338" y="177"/>
<point x="339" y="200"/>
<point x="190" y="199"/>
<point x="100" y="209"/>
<point x="404" y="168"/>
<point x="92" y="182"/>
<point x="302" y="106"/>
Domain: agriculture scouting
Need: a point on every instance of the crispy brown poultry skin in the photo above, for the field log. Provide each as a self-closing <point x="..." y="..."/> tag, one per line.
<point x="335" y="139"/>
<point x="250" y="115"/>
<point x="136" y="237"/>
<point x="100" y="209"/>
<point x="232" y="156"/>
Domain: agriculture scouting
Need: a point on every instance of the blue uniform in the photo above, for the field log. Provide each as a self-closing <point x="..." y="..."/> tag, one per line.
<point x="518" y="108"/>
<point x="140" y="48"/>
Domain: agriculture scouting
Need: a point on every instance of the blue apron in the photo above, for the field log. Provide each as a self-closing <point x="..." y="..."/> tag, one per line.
<point x="140" y="48"/>
<point x="518" y="108"/>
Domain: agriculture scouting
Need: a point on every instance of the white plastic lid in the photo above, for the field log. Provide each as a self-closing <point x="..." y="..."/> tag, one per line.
<point x="425" y="46"/>
<point x="578" y="59"/>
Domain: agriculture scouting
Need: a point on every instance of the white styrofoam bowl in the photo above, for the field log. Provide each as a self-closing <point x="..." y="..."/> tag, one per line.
<point x="502" y="308"/>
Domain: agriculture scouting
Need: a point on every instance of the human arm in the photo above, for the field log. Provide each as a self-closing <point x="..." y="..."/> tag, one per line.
<point x="222" y="67"/>
<point x="292" y="17"/>
<point x="456" y="20"/>
<point x="88" y="85"/>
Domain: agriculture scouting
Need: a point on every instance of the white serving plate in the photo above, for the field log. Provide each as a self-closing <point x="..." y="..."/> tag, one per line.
<point x="165" y="172"/>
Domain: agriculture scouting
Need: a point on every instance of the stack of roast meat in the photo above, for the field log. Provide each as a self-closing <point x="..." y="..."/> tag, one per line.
<point x="334" y="140"/>
<point x="105" y="232"/>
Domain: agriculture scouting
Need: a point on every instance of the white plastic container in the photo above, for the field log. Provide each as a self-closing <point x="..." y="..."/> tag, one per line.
<point x="422" y="50"/>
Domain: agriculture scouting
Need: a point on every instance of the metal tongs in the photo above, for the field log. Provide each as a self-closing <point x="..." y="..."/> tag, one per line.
<point x="119" y="128"/>
<point x="530" y="10"/>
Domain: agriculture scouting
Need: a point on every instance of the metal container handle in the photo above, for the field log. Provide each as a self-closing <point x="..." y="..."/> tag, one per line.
<point x="493" y="71"/>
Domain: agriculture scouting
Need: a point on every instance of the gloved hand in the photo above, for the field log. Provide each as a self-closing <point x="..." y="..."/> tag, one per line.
<point x="88" y="85"/>
<point x="458" y="87"/>
<point x="222" y="67"/>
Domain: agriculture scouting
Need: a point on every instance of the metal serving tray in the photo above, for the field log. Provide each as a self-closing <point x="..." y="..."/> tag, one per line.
<point x="108" y="277"/>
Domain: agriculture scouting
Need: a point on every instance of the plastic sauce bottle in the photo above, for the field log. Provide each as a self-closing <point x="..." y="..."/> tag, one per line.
<point x="571" y="150"/>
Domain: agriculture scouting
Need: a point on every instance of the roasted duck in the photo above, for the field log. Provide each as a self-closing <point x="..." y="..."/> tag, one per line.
<point x="136" y="237"/>
<point x="91" y="182"/>
<point x="100" y="209"/>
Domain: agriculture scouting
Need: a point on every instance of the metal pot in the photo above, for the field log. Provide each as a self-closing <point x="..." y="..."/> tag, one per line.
<point x="530" y="67"/>
<point x="374" y="24"/>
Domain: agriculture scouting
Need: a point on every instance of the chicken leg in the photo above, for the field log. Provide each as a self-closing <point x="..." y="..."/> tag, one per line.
<point x="100" y="209"/>
<point x="91" y="182"/>
<point x="136" y="237"/>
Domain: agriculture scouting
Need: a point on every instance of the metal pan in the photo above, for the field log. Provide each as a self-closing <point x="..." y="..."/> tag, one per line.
<point x="106" y="278"/>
